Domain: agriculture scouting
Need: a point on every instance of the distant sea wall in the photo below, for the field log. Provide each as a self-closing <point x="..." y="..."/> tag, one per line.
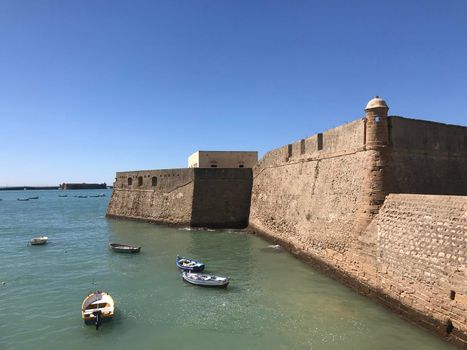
<point x="22" y="188"/>
<point x="82" y="186"/>
<point x="198" y="197"/>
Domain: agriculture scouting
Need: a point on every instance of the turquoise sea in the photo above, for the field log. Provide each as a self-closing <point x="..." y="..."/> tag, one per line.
<point x="274" y="301"/>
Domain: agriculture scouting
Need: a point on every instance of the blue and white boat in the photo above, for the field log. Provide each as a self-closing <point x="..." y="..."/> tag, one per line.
<point x="205" y="280"/>
<point x="186" y="264"/>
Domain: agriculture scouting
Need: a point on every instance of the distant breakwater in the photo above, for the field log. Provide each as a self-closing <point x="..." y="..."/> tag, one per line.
<point x="20" y="188"/>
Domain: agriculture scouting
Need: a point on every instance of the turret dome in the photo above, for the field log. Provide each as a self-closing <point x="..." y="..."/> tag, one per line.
<point x="376" y="102"/>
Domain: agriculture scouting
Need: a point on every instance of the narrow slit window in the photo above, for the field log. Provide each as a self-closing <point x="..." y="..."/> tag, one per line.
<point x="320" y="142"/>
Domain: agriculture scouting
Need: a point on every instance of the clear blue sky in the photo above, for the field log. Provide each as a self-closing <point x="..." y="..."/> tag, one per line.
<point x="88" y="88"/>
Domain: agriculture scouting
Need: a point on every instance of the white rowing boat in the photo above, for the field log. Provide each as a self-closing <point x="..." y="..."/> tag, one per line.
<point x="202" y="279"/>
<point x="39" y="240"/>
<point x="97" y="307"/>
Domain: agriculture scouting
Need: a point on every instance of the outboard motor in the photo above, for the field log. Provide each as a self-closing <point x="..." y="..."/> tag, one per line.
<point x="98" y="319"/>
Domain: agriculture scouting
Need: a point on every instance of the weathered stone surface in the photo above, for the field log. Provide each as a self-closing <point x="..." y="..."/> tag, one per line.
<point x="168" y="202"/>
<point x="189" y="197"/>
<point x="221" y="198"/>
<point x="421" y="252"/>
<point x="321" y="196"/>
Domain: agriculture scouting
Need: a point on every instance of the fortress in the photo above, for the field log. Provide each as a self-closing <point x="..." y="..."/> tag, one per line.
<point x="380" y="203"/>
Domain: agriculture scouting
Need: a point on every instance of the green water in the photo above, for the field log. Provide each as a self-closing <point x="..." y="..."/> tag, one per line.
<point x="273" y="302"/>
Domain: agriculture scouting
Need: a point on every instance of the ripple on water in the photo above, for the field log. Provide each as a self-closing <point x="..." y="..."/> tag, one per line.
<point x="273" y="301"/>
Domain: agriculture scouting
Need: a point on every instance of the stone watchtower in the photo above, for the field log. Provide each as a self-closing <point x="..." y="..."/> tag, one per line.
<point x="375" y="186"/>
<point x="376" y="123"/>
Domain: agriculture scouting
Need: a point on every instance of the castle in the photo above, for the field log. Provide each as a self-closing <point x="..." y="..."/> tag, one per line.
<point x="380" y="203"/>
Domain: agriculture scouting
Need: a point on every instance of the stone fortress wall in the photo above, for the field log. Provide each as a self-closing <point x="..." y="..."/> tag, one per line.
<point x="159" y="196"/>
<point x="421" y="259"/>
<point x="321" y="197"/>
<point x="427" y="157"/>
<point x="189" y="197"/>
<point x="380" y="203"/>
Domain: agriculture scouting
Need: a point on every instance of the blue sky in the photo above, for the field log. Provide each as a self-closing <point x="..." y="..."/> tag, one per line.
<point x="88" y="88"/>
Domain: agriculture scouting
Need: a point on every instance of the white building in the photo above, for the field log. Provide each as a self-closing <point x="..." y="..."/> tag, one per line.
<point x="223" y="159"/>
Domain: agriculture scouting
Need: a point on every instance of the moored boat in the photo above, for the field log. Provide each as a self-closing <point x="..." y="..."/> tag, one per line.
<point x="22" y="199"/>
<point x="189" y="264"/>
<point x="124" y="248"/>
<point x="63" y="195"/>
<point x="202" y="279"/>
<point x="96" y="308"/>
<point x="33" y="197"/>
<point x="39" y="240"/>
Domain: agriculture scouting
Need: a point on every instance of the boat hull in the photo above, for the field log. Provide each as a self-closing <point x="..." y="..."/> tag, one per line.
<point x="123" y="248"/>
<point x="189" y="265"/>
<point x="213" y="281"/>
<point x="92" y="321"/>
<point x="97" y="303"/>
<point x="38" y="241"/>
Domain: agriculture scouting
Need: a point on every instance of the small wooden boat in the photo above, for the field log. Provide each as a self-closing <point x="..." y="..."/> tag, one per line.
<point x="124" y="248"/>
<point x="82" y="196"/>
<point x="96" y="308"/>
<point x="98" y="195"/>
<point x="201" y="279"/>
<point x="33" y="197"/>
<point x="63" y="195"/>
<point x="189" y="264"/>
<point x="22" y="199"/>
<point x="39" y="240"/>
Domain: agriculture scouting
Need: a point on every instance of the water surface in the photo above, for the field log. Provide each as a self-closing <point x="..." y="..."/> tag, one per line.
<point x="274" y="301"/>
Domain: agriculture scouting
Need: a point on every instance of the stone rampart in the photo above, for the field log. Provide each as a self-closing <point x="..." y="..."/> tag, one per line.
<point x="321" y="197"/>
<point x="427" y="157"/>
<point x="315" y="201"/>
<point x="160" y="196"/>
<point x="221" y="197"/>
<point x="421" y="258"/>
<point x="202" y="197"/>
<point x="322" y="201"/>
